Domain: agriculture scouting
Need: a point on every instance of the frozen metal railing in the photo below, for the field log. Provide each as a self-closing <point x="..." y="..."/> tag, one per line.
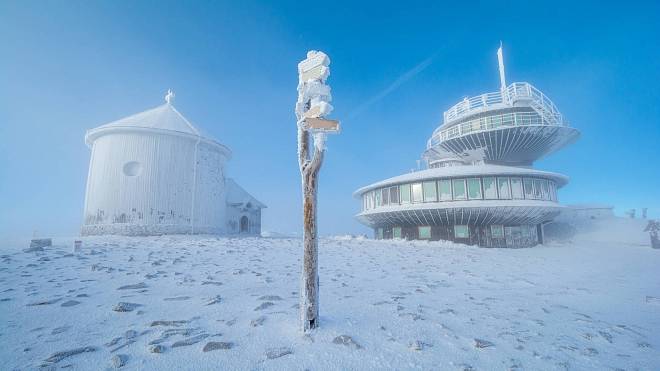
<point x="514" y="92"/>
<point x="509" y="119"/>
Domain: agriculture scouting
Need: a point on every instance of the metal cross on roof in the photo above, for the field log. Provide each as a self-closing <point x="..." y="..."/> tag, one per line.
<point x="169" y="98"/>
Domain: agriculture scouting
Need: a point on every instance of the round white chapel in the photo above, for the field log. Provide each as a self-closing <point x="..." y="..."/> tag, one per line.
<point x="154" y="173"/>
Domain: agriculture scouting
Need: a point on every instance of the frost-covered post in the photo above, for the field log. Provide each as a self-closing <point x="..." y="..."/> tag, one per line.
<point x="653" y="228"/>
<point x="311" y="108"/>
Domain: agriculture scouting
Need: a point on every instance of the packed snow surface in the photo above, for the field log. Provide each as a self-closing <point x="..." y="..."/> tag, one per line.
<point x="203" y="303"/>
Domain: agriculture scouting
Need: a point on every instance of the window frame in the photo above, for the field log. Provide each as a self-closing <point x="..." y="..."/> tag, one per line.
<point x="408" y="194"/>
<point x="394" y="190"/>
<point x="508" y="188"/>
<point x="451" y="195"/>
<point x="495" y="188"/>
<point x="421" y="193"/>
<point x="467" y="231"/>
<point x="453" y="189"/>
<point x="498" y="227"/>
<point x="435" y="190"/>
<point x="545" y="190"/>
<point x="538" y="188"/>
<point x="480" y="190"/>
<point x="519" y="181"/>
<point x="531" y="195"/>
<point x="419" y="232"/>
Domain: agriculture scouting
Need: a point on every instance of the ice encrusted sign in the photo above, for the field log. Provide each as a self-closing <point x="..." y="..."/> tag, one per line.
<point x="311" y="108"/>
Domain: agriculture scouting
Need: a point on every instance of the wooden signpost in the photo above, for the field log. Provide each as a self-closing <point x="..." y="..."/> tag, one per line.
<point x="311" y="108"/>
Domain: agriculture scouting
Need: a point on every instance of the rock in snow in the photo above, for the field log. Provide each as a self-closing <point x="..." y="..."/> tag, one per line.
<point x="346" y="340"/>
<point x="264" y="305"/>
<point x="70" y="303"/>
<point x="58" y="356"/>
<point x="214" y="300"/>
<point x="190" y="341"/>
<point x="135" y="286"/>
<point x="278" y="352"/>
<point x="119" y="360"/>
<point x="125" y="307"/>
<point x="481" y="343"/>
<point x="215" y="345"/>
<point x="169" y="323"/>
<point x="157" y="348"/>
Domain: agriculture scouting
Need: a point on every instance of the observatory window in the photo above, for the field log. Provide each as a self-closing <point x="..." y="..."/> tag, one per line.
<point x="474" y="188"/>
<point x="132" y="168"/>
<point x="553" y="191"/>
<point x="529" y="188"/>
<point x="378" y="203"/>
<point x="405" y="193"/>
<point x="394" y="195"/>
<point x="459" y="189"/>
<point x="545" y="191"/>
<point x="385" y="196"/>
<point x="461" y="231"/>
<point x="417" y="192"/>
<point x="503" y="188"/>
<point x="490" y="190"/>
<point x="445" y="190"/>
<point x="538" y="189"/>
<point x="516" y="189"/>
<point x="424" y="232"/>
<point x="497" y="231"/>
<point x="430" y="193"/>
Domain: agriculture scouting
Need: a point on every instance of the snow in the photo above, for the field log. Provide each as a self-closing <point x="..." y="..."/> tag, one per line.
<point x="591" y="302"/>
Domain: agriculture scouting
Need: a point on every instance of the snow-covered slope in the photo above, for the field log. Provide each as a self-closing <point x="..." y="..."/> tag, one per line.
<point x="589" y="304"/>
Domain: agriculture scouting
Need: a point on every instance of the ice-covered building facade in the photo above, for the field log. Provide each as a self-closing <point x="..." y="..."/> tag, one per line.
<point x="154" y="173"/>
<point x="479" y="187"/>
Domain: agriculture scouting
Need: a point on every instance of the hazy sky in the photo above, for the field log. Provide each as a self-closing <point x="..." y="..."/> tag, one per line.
<point x="68" y="66"/>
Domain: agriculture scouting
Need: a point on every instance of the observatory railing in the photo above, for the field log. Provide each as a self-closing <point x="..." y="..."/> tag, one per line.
<point x="514" y="92"/>
<point x="509" y="119"/>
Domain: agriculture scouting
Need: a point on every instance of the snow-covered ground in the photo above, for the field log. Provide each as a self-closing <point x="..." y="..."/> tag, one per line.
<point x="591" y="303"/>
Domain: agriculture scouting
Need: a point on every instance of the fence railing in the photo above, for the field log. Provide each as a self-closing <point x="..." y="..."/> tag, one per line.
<point x="514" y="92"/>
<point x="509" y="119"/>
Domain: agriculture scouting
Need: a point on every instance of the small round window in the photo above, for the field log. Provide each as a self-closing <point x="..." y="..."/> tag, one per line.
<point x="132" y="168"/>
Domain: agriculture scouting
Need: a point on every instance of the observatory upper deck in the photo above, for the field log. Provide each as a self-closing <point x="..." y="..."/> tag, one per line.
<point x="514" y="95"/>
<point x="516" y="125"/>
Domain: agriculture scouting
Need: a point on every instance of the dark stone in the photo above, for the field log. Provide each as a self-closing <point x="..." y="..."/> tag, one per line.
<point x="278" y="352"/>
<point x="140" y="285"/>
<point x="58" y="356"/>
<point x="347" y="341"/>
<point x="125" y="307"/>
<point x="215" y="345"/>
<point x="70" y="303"/>
<point x="481" y="343"/>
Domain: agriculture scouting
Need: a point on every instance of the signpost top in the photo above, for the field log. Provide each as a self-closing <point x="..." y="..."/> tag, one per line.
<point x="314" y="59"/>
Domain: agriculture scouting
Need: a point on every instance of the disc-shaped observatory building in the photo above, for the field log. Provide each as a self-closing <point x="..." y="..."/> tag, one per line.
<point x="154" y="173"/>
<point x="479" y="187"/>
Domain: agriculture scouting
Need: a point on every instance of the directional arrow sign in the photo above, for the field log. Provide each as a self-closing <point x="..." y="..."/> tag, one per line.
<point x="316" y="73"/>
<point x="314" y="59"/>
<point x="318" y="110"/>
<point x="319" y="124"/>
